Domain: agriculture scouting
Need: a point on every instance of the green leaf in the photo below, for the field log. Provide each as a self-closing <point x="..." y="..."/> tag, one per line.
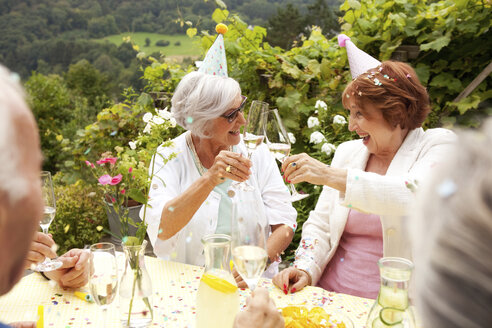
<point x="354" y="4"/>
<point x="303" y="60"/>
<point x="137" y="195"/>
<point x="221" y="4"/>
<point x="423" y="72"/>
<point x="191" y="32"/>
<point x="437" y="44"/>
<point x="145" y="100"/>
<point x="446" y="80"/>
<point x="349" y="17"/>
<point x="467" y="103"/>
<point x="220" y="15"/>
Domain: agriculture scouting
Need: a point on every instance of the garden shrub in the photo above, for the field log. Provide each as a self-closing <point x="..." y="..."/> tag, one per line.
<point x="162" y="43"/>
<point x="79" y="213"/>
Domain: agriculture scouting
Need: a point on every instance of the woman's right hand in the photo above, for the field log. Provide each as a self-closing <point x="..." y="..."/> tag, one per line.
<point x="229" y="165"/>
<point x="291" y="279"/>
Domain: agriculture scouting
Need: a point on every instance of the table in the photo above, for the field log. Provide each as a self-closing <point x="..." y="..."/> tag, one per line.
<point x="175" y="285"/>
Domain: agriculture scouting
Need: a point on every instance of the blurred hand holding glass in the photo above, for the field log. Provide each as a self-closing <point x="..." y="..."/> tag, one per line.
<point x="48" y="216"/>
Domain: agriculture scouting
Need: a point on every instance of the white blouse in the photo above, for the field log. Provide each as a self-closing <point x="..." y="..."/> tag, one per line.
<point x="174" y="177"/>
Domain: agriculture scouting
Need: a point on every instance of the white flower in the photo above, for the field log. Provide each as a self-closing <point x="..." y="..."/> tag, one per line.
<point x="133" y="145"/>
<point x="172" y="120"/>
<point x="339" y="119"/>
<point x="157" y="120"/>
<point x="316" y="137"/>
<point x="328" y="148"/>
<point x="147" y="128"/>
<point x="321" y="104"/>
<point x="147" y="117"/>
<point x="164" y="114"/>
<point x="292" y="138"/>
<point x="312" y="122"/>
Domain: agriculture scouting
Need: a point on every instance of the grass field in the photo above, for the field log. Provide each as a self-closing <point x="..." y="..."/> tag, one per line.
<point x="188" y="47"/>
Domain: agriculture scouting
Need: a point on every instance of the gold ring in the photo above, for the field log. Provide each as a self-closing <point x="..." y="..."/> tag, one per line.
<point x="294" y="164"/>
<point x="228" y="168"/>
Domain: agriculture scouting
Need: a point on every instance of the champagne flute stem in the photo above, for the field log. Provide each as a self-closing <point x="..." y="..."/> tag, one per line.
<point x="104" y="309"/>
<point x="293" y="190"/>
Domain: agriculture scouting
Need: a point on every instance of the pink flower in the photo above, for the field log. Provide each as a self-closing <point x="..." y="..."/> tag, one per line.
<point x="111" y="160"/>
<point x="123" y="191"/>
<point x="130" y="170"/>
<point x="116" y="179"/>
<point x="88" y="163"/>
<point x="105" y="179"/>
<point x="113" y="200"/>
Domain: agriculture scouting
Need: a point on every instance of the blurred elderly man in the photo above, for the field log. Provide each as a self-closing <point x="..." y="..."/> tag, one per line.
<point x="21" y="203"/>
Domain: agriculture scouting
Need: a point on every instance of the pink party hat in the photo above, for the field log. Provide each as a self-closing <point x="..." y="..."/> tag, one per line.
<point x="359" y="61"/>
<point x="215" y="62"/>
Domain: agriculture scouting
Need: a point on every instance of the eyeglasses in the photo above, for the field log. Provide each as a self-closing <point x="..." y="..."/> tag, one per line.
<point x="232" y="115"/>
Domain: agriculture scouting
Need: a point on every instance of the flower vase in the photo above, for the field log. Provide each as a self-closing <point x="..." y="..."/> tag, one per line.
<point x="392" y="308"/>
<point x="135" y="289"/>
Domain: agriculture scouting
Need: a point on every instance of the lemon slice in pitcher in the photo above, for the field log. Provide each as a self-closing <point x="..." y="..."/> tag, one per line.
<point x="219" y="284"/>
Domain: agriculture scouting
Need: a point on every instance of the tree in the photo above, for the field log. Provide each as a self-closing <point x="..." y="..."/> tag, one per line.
<point x="285" y="26"/>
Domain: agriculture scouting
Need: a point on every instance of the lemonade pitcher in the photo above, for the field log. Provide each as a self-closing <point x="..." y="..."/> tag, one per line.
<point x="392" y="307"/>
<point x="217" y="299"/>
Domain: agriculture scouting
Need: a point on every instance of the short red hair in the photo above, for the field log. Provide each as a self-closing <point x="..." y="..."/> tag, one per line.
<point x="394" y="88"/>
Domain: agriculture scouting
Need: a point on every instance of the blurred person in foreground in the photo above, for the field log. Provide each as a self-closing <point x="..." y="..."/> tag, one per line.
<point x="21" y="203"/>
<point x="451" y="235"/>
<point x="190" y="194"/>
<point x="361" y="212"/>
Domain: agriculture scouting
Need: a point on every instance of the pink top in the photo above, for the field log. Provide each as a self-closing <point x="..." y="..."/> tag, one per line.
<point x="353" y="269"/>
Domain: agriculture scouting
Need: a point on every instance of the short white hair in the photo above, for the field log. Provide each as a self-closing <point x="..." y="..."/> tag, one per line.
<point x="452" y="237"/>
<point x="200" y="98"/>
<point x="12" y="182"/>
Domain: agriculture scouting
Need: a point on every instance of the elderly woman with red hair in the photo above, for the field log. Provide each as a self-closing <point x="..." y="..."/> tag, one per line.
<point x="366" y="198"/>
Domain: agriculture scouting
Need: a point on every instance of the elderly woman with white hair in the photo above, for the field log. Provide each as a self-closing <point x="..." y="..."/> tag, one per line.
<point x="189" y="194"/>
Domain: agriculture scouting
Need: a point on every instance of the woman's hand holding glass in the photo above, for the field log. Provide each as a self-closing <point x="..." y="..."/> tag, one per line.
<point x="229" y="165"/>
<point x="303" y="168"/>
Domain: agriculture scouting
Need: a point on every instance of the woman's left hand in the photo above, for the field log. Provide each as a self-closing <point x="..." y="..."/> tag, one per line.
<point x="304" y="168"/>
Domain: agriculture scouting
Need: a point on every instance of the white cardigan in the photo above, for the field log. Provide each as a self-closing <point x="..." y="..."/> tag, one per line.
<point x="178" y="174"/>
<point x="386" y="196"/>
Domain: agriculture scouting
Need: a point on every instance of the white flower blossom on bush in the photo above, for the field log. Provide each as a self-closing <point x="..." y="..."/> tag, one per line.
<point x="321" y="104"/>
<point x="292" y="138"/>
<point x="147" y="117"/>
<point x="133" y="145"/>
<point x="328" y="148"/>
<point x="158" y="119"/>
<point x="339" y="119"/>
<point x="312" y="122"/>
<point x="317" y="137"/>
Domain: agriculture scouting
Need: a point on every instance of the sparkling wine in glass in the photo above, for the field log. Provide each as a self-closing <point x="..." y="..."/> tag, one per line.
<point x="253" y="133"/>
<point x="249" y="238"/>
<point x="103" y="280"/>
<point x="48" y="216"/>
<point x="278" y="143"/>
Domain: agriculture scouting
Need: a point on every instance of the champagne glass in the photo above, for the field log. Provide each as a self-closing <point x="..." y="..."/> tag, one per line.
<point x="278" y="143"/>
<point x="253" y="133"/>
<point x="48" y="216"/>
<point x="249" y="238"/>
<point x="103" y="280"/>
